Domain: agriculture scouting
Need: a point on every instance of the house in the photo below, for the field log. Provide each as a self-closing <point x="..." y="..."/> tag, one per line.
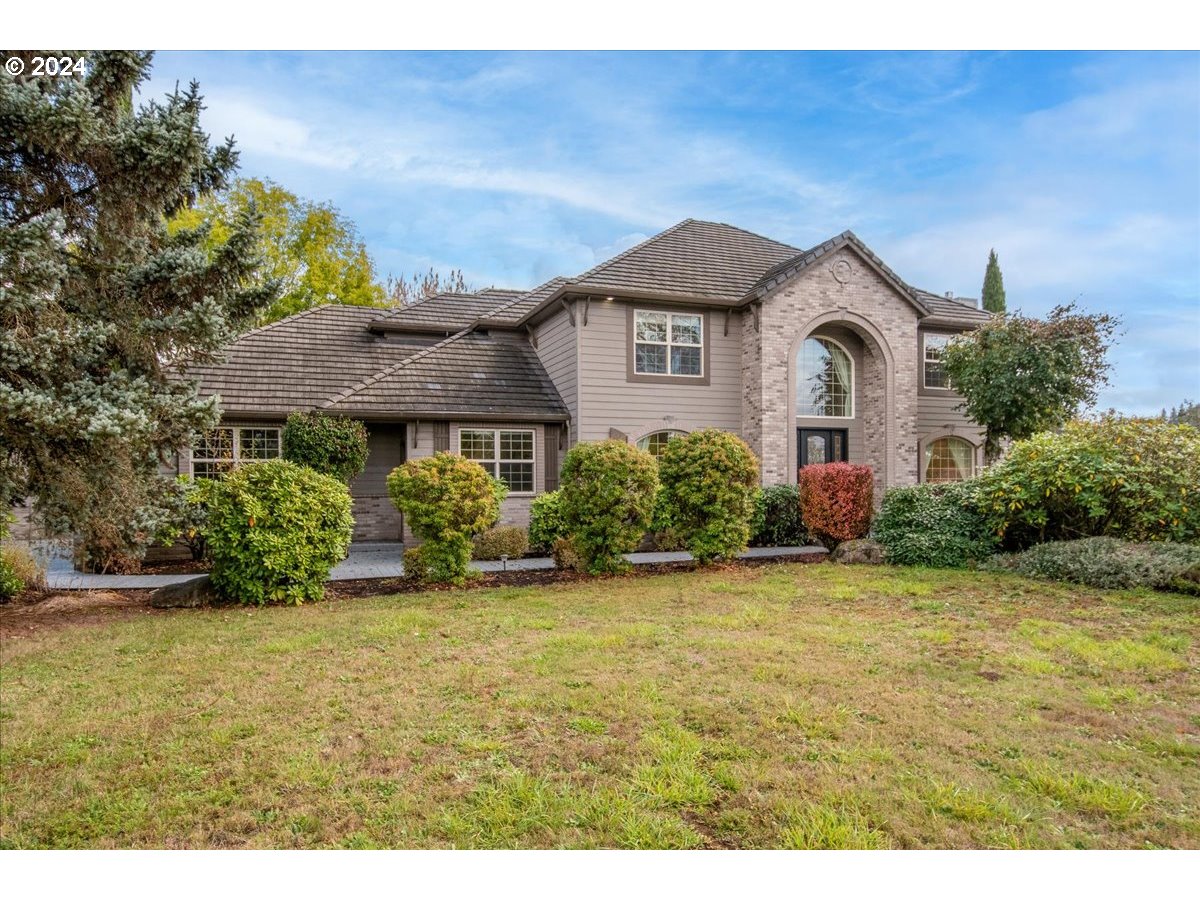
<point x="810" y="355"/>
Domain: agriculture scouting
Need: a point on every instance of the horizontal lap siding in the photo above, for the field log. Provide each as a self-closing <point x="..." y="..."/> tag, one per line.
<point x="557" y="349"/>
<point x="514" y="510"/>
<point x="607" y="400"/>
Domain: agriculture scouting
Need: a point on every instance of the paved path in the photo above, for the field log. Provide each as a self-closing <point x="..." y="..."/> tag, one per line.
<point x="364" y="561"/>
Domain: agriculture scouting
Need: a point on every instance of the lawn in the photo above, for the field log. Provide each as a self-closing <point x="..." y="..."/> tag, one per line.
<point x="785" y="706"/>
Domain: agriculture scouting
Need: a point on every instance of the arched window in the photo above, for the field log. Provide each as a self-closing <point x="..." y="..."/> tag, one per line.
<point x="949" y="459"/>
<point x="656" y="443"/>
<point x="825" y="382"/>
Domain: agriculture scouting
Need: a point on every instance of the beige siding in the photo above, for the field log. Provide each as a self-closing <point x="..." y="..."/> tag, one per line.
<point x="558" y="349"/>
<point x="938" y="417"/>
<point x="515" y="508"/>
<point x="856" y="447"/>
<point x="608" y="400"/>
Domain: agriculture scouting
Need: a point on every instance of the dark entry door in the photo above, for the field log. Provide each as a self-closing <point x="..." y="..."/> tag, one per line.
<point x="821" y="445"/>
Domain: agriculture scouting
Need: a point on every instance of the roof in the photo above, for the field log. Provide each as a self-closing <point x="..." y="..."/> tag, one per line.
<point x="526" y="303"/>
<point x="952" y="310"/>
<point x="704" y="260"/>
<point x="444" y="313"/>
<point x="468" y="374"/>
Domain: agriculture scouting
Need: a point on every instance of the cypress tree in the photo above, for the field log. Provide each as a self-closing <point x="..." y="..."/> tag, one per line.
<point x="993" y="285"/>
<point x="99" y="304"/>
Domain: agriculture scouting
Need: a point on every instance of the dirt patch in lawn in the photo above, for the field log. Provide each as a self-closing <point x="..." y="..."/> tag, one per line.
<point x="37" y="611"/>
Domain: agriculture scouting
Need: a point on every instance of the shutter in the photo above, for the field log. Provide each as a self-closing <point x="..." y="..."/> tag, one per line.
<point x="552" y="465"/>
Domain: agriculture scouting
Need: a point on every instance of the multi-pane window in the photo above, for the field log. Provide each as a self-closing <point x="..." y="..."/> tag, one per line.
<point x="935" y="377"/>
<point x="656" y="443"/>
<point x="220" y="449"/>
<point x="507" y="455"/>
<point x="825" y="382"/>
<point x="949" y="459"/>
<point x="668" y="343"/>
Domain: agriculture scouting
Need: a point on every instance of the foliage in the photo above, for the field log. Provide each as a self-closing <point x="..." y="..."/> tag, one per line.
<point x="567" y="556"/>
<point x="835" y="501"/>
<point x="546" y="523"/>
<point x="709" y="478"/>
<point x="310" y="249"/>
<point x="933" y="525"/>
<point x="1137" y="479"/>
<point x="275" y="529"/>
<point x="1019" y="376"/>
<point x="993" y="285"/>
<point x="334" y="445"/>
<point x="777" y="518"/>
<point x="446" y="500"/>
<point x="420" y="285"/>
<point x="608" y="490"/>
<point x="99" y="302"/>
<point x="662" y="533"/>
<point x="189" y="521"/>
<point x="504" y="540"/>
<point x="1186" y="413"/>
<point x="11" y="583"/>
<point x="19" y="571"/>
<point x="1105" y="562"/>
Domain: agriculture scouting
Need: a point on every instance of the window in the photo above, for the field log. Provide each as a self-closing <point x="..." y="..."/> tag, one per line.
<point x="507" y="455"/>
<point x="668" y="344"/>
<point x="656" y="443"/>
<point x="826" y="379"/>
<point x="220" y="449"/>
<point x="949" y="459"/>
<point x="934" y="376"/>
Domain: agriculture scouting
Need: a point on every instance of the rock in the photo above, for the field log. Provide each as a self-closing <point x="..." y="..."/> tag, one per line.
<point x="861" y="552"/>
<point x="188" y="594"/>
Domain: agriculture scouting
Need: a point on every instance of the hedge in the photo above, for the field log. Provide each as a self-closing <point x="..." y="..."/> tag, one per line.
<point x="934" y="525"/>
<point x="836" y="501"/>
<point x="333" y="445"/>
<point x="777" y="520"/>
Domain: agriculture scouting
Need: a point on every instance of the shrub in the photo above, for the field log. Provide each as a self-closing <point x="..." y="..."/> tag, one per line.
<point x="1136" y="479"/>
<point x="446" y="500"/>
<point x="1105" y="562"/>
<point x="709" y="478"/>
<point x="189" y="520"/>
<point x="10" y="582"/>
<point x="504" y="540"/>
<point x="608" y="490"/>
<point x="18" y="566"/>
<point x="275" y="529"/>
<point x="934" y="525"/>
<point x="332" y="445"/>
<point x="835" y="501"/>
<point x="546" y="522"/>
<point x="662" y="534"/>
<point x="567" y="556"/>
<point x="777" y="521"/>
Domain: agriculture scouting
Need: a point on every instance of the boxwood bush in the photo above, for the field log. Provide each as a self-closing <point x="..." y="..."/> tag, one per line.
<point x="446" y="500"/>
<point x="777" y="521"/>
<point x="1135" y="479"/>
<point x="934" y="525"/>
<point x="608" y="491"/>
<point x="333" y="445"/>
<point x="836" y="501"/>
<point x="503" y="540"/>
<point x="1105" y="562"/>
<point x="709" y="478"/>
<point x="546" y="522"/>
<point x="274" y="531"/>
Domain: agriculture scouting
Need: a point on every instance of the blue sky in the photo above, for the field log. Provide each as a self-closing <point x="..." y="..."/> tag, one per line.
<point x="1081" y="169"/>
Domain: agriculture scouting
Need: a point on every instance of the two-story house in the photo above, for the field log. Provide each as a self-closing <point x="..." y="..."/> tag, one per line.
<point x="810" y="355"/>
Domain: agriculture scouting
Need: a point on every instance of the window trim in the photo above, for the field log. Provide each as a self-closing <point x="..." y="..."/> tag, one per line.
<point x="677" y="432"/>
<point x="853" y="381"/>
<point x="921" y="388"/>
<point x="236" y="460"/>
<point x="496" y="460"/>
<point x="632" y="375"/>
<point x="926" y="442"/>
<point x="924" y="359"/>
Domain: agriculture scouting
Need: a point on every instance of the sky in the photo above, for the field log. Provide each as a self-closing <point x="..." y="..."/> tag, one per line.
<point x="1082" y="170"/>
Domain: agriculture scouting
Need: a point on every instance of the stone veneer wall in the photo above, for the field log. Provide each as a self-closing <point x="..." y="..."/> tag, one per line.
<point x="844" y="289"/>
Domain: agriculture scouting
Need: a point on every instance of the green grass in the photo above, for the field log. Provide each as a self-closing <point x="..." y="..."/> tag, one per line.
<point x="779" y="707"/>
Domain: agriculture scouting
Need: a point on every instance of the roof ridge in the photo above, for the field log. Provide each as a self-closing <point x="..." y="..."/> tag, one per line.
<point x="624" y="253"/>
<point x="525" y="296"/>
<point x="291" y="318"/>
<point x="753" y="234"/>
<point x="392" y="369"/>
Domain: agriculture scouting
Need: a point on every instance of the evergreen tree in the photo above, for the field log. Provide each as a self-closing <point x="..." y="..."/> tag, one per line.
<point x="98" y="303"/>
<point x="993" y="285"/>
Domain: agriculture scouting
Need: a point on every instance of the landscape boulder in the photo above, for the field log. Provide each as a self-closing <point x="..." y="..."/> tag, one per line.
<point x="863" y="551"/>
<point x="188" y="594"/>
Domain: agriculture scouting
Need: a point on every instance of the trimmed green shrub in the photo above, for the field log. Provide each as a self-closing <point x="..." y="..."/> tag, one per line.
<point x="608" y="490"/>
<point x="934" y="525"/>
<point x="275" y="529"/>
<point x="777" y="521"/>
<point x="333" y="445"/>
<point x="1135" y="479"/>
<point x="546" y="523"/>
<point x="709" y="478"/>
<point x="189" y="520"/>
<point x="446" y="500"/>
<point x="1105" y="562"/>
<point x="836" y="501"/>
<point x="663" y="535"/>
<point x="503" y="540"/>
<point x="567" y="557"/>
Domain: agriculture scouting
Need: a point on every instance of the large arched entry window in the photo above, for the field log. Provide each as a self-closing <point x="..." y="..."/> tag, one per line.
<point x="656" y="442"/>
<point x="825" y="379"/>
<point x="949" y="459"/>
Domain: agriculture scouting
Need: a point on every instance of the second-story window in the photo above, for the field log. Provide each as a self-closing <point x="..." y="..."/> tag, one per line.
<point x="935" y="376"/>
<point x="668" y="344"/>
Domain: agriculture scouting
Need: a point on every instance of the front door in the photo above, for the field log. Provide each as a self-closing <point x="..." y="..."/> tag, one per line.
<point x="821" y="445"/>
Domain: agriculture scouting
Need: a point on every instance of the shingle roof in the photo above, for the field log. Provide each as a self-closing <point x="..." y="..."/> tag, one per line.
<point x="300" y="361"/>
<point x="956" y="309"/>
<point x="444" y="313"/>
<point x="705" y="260"/>
<point x="467" y="374"/>
<point x="514" y="311"/>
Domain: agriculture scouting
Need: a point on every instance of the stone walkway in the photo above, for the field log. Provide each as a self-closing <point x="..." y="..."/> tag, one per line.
<point x="364" y="561"/>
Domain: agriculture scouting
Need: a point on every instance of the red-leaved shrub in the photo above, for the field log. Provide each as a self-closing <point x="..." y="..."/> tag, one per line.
<point x="835" y="501"/>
